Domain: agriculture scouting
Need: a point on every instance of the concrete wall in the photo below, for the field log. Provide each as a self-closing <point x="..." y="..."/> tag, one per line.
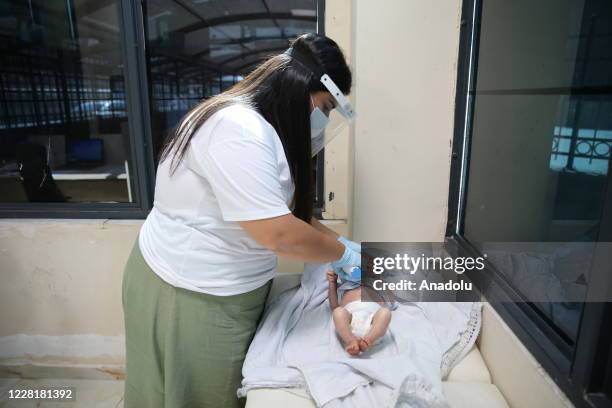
<point x="405" y="69"/>
<point x="63" y="277"/>
<point x="516" y="373"/>
<point x="60" y="298"/>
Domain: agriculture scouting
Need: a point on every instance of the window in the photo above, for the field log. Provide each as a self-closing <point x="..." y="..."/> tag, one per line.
<point x="532" y="158"/>
<point x="64" y="131"/>
<point x="200" y="48"/>
<point x="86" y="100"/>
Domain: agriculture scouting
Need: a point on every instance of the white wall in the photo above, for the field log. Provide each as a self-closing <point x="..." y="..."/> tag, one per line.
<point x="405" y="71"/>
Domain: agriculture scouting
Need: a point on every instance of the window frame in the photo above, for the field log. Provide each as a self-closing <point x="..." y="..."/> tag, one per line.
<point x="141" y="160"/>
<point x="319" y="193"/>
<point x="575" y="368"/>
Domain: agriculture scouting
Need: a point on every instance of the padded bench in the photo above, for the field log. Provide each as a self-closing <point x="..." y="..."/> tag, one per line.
<point x="468" y="385"/>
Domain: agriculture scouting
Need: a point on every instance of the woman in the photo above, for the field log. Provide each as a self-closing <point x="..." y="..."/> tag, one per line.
<point x="234" y="189"/>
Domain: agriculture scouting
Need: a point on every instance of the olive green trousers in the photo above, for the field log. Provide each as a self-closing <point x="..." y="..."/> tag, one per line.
<point x="184" y="348"/>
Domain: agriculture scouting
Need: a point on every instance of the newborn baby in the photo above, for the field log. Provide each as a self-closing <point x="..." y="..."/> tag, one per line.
<point x="358" y="323"/>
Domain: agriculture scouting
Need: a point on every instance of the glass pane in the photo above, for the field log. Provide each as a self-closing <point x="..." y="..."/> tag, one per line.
<point x="541" y="137"/>
<point x="63" y="117"/>
<point x="197" y="49"/>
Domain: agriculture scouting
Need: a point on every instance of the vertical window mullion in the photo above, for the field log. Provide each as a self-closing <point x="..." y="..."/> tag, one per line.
<point x="133" y="47"/>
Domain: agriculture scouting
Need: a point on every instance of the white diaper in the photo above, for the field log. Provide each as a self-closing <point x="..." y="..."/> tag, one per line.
<point x="362" y="314"/>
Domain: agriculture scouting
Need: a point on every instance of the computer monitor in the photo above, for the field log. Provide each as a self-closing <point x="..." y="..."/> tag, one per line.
<point x="85" y="153"/>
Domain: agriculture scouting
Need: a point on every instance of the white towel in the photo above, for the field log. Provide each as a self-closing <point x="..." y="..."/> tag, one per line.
<point x="296" y="346"/>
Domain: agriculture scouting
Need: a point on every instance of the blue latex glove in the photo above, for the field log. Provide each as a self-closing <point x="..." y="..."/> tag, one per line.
<point x="349" y="258"/>
<point x="355" y="246"/>
<point x="347" y="273"/>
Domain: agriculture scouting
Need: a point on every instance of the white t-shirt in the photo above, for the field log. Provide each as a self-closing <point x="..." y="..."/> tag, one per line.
<point x="235" y="169"/>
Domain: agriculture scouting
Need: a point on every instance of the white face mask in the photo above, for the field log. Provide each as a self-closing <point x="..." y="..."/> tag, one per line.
<point x="318" y="121"/>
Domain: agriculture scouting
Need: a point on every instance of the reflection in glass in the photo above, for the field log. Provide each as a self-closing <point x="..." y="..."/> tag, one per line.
<point x="541" y="135"/>
<point x="63" y="122"/>
<point x="197" y="49"/>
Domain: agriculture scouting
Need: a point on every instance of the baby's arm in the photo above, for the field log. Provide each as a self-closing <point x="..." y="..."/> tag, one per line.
<point x="332" y="289"/>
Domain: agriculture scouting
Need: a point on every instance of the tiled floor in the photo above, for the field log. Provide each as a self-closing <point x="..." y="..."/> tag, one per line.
<point x="89" y="393"/>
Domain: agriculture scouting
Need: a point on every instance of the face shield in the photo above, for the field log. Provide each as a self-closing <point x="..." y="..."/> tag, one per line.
<point x="339" y="118"/>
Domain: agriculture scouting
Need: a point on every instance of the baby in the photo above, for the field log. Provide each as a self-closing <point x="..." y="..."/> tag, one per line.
<point x="358" y="323"/>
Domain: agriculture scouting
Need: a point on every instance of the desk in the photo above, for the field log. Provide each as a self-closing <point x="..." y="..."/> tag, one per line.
<point x="71" y="181"/>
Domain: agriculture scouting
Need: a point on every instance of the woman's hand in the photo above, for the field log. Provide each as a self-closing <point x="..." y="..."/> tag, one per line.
<point x="349" y="258"/>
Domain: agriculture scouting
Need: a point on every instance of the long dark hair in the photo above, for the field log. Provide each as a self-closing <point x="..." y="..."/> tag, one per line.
<point x="279" y="89"/>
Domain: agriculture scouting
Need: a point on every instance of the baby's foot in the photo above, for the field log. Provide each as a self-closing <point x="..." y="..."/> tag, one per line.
<point x="352" y="347"/>
<point x="364" y="344"/>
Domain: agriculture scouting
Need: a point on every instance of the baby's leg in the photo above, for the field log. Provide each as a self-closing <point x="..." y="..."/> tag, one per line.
<point x="342" y="321"/>
<point x="380" y="324"/>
